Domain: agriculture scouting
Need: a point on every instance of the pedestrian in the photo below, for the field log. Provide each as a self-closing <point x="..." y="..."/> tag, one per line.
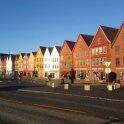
<point x="72" y="76"/>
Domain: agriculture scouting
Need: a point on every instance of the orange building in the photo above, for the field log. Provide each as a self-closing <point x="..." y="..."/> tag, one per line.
<point x="100" y="52"/>
<point x="66" y="63"/>
<point x="117" y="58"/>
<point x="81" y="56"/>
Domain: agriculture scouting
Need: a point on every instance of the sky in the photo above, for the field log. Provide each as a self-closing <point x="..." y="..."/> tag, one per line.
<point x="27" y="24"/>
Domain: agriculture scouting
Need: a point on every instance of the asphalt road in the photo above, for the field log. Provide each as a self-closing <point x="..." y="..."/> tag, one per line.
<point x="35" y="103"/>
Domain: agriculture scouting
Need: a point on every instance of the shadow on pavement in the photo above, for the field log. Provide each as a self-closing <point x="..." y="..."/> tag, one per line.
<point x="14" y="88"/>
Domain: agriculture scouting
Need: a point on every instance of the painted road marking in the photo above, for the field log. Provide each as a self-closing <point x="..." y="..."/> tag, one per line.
<point x="59" y="108"/>
<point x="74" y="95"/>
<point x="45" y="106"/>
<point x="13" y="101"/>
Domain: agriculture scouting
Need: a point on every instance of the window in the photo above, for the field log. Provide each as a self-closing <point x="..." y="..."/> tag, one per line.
<point x="96" y="51"/>
<point x="80" y="44"/>
<point x="117" y="61"/>
<point x="81" y="53"/>
<point x="100" y="61"/>
<point x="81" y="62"/>
<point x="69" y="57"/>
<point x="105" y="60"/>
<point x="100" y="50"/>
<point x="87" y="62"/>
<point x="52" y="59"/>
<point x="104" y="49"/>
<point x="93" y="52"/>
<point x="64" y="49"/>
<point x="97" y="61"/>
<point x="117" y="49"/>
<point x="99" y="40"/>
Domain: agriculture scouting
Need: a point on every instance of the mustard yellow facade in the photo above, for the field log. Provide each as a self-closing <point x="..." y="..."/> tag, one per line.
<point x="39" y="62"/>
<point x="20" y="62"/>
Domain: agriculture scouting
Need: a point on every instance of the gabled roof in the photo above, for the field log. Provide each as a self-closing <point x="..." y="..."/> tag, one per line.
<point x="58" y="48"/>
<point x="13" y="57"/>
<point x="3" y="56"/>
<point x="70" y="44"/>
<point x="43" y="49"/>
<point x="28" y="54"/>
<point x="118" y="33"/>
<point x="34" y="53"/>
<point x="110" y="32"/>
<point x="50" y="49"/>
<point x="88" y="38"/>
<point x="23" y="54"/>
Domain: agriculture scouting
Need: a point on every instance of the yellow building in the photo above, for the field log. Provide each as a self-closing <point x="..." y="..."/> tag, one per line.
<point x="39" y="61"/>
<point x="20" y="62"/>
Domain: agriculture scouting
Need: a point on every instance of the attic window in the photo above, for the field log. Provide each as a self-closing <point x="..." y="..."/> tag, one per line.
<point x="80" y="45"/>
<point x="99" y="40"/>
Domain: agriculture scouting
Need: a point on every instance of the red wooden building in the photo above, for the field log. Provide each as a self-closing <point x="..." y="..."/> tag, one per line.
<point x="66" y="58"/>
<point x="117" y="58"/>
<point x="100" y="52"/>
<point x="81" y="56"/>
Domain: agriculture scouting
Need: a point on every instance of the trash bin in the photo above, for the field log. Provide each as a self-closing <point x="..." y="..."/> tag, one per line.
<point x="67" y="86"/>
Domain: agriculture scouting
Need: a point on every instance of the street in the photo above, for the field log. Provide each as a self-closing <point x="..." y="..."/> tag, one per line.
<point x="25" y="102"/>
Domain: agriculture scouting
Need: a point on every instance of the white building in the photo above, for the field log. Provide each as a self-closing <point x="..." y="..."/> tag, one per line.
<point x="9" y="65"/>
<point x="55" y="62"/>
<point x="47" y="61"/>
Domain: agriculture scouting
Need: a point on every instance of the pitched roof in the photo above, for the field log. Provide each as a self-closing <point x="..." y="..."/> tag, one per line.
<point x="50" y="49"/>
<point x="43" y="49"/>
<point x="87" y="38"/>
<point x="110" y="32"/>
<point x="70" y="44"/>
<point x="23" y="54"/>
<point x="28" y="54"/>
<point x="118" y="33"/>
<point x="3" y="56"/>
<point x="34" y="53"/>
<point x="58" y="48"/>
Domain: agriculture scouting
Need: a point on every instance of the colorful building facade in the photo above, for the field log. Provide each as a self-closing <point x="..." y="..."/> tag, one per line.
<point x="39" y="62"/>
<point x="117" y="56"/>
<point x="66" y="61"/>
<point x="101" y="52"/>
<point x="81" y="57"/>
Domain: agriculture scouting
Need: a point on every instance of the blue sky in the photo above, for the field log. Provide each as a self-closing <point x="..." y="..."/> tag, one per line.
<point x="27" y="24"/>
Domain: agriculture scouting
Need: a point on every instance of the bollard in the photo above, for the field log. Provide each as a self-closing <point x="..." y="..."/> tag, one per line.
<point x="87" y="87"/>
<point x="110" y="87"/>
<point x="67" y="86"/>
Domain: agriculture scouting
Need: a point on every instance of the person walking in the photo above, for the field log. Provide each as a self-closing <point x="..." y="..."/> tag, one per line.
<point x="72" y="75"/>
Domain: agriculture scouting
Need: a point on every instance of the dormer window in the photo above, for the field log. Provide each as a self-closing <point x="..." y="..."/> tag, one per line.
<point x="99" y="40"/>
